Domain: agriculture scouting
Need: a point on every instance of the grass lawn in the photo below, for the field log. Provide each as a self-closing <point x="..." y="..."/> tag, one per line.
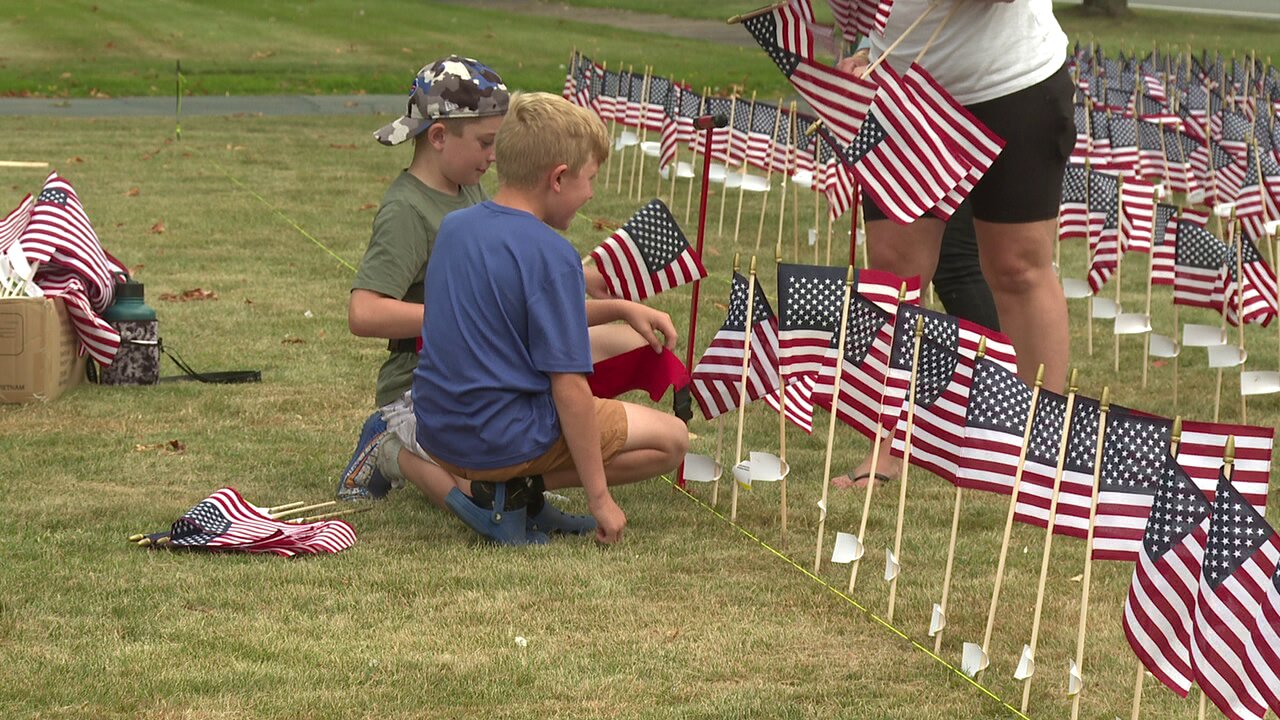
<point x="688" y="618"/>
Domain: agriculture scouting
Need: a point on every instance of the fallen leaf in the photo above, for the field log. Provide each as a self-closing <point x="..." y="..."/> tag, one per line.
<point x="158" y="228"/>
<point x="1077" y="578"/>
<point x="261" y="54"/>
<point x="604" y="224"/>
<point x="247" y="301"/>
<point x="406" y="51"/>
<point x="133" y="192"/>
<point x="172" y="447"/>
<point x="1158" y="363"/>
<point x="189" y="295"/>
<point x="65" y="75"/>
<point x="711" y="250"/>
<point x="110" y="45"/>
<point x="290" y="340"/>
<point x="336" y="146"/>
<point x="350" y="104"/>
<point x="77" y="160"/>
<point x="367" y="206"/>
<point x="137" y="268"/>
<point x="722" y="306"/>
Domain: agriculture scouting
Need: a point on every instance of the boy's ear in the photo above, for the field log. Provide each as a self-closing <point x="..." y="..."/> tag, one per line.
<point x="556" y="176"/>
<point x="435" y="135"/>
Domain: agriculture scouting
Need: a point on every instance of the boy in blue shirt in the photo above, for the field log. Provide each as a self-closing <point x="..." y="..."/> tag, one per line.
<point x="500" y="393"/>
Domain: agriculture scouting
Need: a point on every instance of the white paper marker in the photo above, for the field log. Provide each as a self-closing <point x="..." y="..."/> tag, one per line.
<point x="1163" y="346"/>
<point x="938" y="621"/>
<point x="847" y="549"/>
<point x="1195" y="197"/>
<point x="1075" y="289"/>
<point x="1105" y="308"/>
<point x="1223" y="210"/>
<point x="813" y="236"/>
<point x="1259" y="382"/>
<point x="1026" y="665"/>
<point x="626" y="139"/>
<point x="973" y="660"/>
<point x="1227" y="356"/>
<point x="1132" y="324"/>
<point x="803" y="178"/>
<point x="891" y="566"/>
<point x="700" y="468"/>
<point x="1074" y="680"/>
<point x="765" y="467"/>
<point x="1202" y="335"/>
<point x="1271" y="227"/>
<point x="650" y="148"/>
<point x="822" y="510"/>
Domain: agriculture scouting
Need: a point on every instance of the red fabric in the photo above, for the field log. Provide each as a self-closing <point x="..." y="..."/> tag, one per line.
<point x="639" y="369"/>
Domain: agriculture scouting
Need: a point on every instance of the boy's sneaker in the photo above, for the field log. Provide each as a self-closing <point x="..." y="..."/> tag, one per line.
<point x="362" y="480"/>
<point x="505" y="520"/>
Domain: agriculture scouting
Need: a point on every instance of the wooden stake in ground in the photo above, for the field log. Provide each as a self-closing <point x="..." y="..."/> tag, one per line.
<point x="675" y="157"/>
<point x="894" y="562"/>
<point x="1174" y="438"/>
<point x="1231" y="240"/>
<point x="831" y="427"/>
<point x="1088" y="255"/>
<point x="728" y="152"/>
<point x="715" y="489"/>
<point x="871" y="479"/>
<point x="742" y="172"/>
<point x="688" y="200"/>
<point x="742" y="388"/>
<point x="1151" y="266"/>
<point x="306" y="508"/>
<point x="1048" y="539"/>
<point x="613" y="128"/>
<point x="768" y="181"/>
<point x="1103" y="408"/>
<point x="637" y="170"/>
<point x="782" y="415"/>
<point x="792" y="151"/>
<point x="1008" y="522"/>
<point x="622" y="151"/>
<point x="1120" y="250"/>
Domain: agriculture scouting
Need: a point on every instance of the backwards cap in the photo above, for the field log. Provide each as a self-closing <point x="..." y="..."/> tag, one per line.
<point x="455" y="87"/>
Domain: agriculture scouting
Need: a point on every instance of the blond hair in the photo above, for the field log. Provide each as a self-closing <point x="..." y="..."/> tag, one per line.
<point x="542" y="131"/>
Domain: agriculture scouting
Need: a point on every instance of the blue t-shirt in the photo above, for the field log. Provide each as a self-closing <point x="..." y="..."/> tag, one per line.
<point x="505" y="306"/>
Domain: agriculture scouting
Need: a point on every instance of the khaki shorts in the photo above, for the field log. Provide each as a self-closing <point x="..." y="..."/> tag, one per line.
<point x="611" y="420"/>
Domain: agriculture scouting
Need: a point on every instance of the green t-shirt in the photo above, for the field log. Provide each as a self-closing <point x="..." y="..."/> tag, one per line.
<point x="404" y="234"/>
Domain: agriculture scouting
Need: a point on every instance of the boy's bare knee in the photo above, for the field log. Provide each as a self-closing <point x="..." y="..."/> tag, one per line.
<point x="675" y="438"/>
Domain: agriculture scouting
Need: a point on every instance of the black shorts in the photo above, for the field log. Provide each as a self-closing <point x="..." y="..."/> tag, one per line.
<point x="1024" y="184"/>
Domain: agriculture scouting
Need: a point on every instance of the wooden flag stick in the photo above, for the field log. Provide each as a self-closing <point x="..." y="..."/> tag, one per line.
<point x="637" y="170"/>
<point x="1151" y="268"/>
<point x="675" y="155"/>
<point x="782" y="414"/>
<point x="830" y="221"/>
<point x="305" y="508"/>
<point x="1275" y="248"/>
<point x="1228" y="461"/>
<point x="906" y="460"/>
<point x="736" y="19"/>
<point x="1231" y="240"/>
<point x="688" y="199"/>
<point x="742" y="185"/>
<point x="728" y="151"/>
<point x="715" y="489"/>
<point x="613" y="126"/>
<point x="286" y="506"/>
<point x="816" y="186"/>
<point x="1008" y="520"/>
<point x="326" y="516"/>
<point x="23" y="164"/>
<point x="1120" y="250"/>
<point x="1103" y="408"/>
<point x="1177" y="341"/>
<point x="936" y="31"/>
<point x="1048" y="534"/>
<point x="622" y="152"/>
<point x="1088" y="255"/>
<point x="871" y="479"/>
<point x="831" y="427"/>
<point x="782" y="206"/>
<point x="742" y="388"/>
<point x="1174" y="438"/>
<point x="793" y="164"/>
<point x="768" y="178"/>
<point x="889" y="50"/>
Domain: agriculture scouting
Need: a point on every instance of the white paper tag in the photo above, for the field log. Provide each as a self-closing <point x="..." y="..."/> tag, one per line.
<point x="756" y="184"/>
<point x="626" y="139"/>
<point x="1076" y="289"/>
<point x="1227" y="356"/>
<point x="1271" y="226"/>
<point x="684" y="170"/>
<point x="1160" y="191"/>
<point x="716" y="173"/>
<point x="803" y="178"/>
<point x="847" y="549"/>
<point x="765" y="467"/>
<point x="700" y="468"/>
<point x="1132" y="324"/>
<point x="1259" y="382"/>
<point x="813" y="237"/>
<point x="891" y="567"/>
<point x="1105" y="308"/>
<point x="1026" y="665"/>
<point x="650" y="148"/>
<point x="822" y="510"/>
<point x="1223" y="210"/>
<point x="1195" y="197"/>
<point x="1202" y="335"/>
<point x="742" y="473"/>
<point x="1163" y="346"/>
<point x="938" y="621"/>
<point x="973" y="660"/>
<point x="1074" y="680"/>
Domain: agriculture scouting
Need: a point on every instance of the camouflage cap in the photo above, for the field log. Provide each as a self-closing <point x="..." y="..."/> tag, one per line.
<point x="454" y="87"/>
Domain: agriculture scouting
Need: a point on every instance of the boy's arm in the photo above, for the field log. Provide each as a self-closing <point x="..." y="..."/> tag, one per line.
<point x="372" y="314"/>
<point x="644" y="319"/>
<point x="576" y="408"/>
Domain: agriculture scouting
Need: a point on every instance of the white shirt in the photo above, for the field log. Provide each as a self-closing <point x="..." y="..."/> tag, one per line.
<point x="986" y="50"/>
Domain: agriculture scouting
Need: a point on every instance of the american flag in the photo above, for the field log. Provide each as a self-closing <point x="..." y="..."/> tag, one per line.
<point x="1080" y="151"/>
<point x="1134" y="455"/>
<point x="1151" y="157"/>
<point x="597" y="92"/>
<point x="1198" y="260"/>
<point x="691" y="107"/>
<point x="647" y="255"/>
<point x="999" y="406"/>
<point x="1224" y="176"/>
<point x="717" y="377"/>
<point x="1104" y="228"/>
<point x="837" y="181"/>
<point x="1160" y="605"/>
<point x="1256" y="295"/>
<point x="1137" y="207"/>
<point x="720" y="136"/>
<point x="1100" y="139"/>
<point x="225" y="521"/>
<point x="1124" y="143"/>
<point x="840" y="99"/>
<point x="1164" y="238"/>
<point x="1256" y="202"/>
<point x="670" y="139"/>
<point x="1235" y="131"/>
<point x="809" y="301"/>
<point x="899" y="161"/>
<point x="570" y="90"/>
<point x="1264" y="651"/>
<point x="740" y="132"/>
<point x="764" y="123"/>
<point x="607" y="101"/>
<point x="1177" y="171"/>
<point x="799" y="395"/>
<point x="1075" y="497"/>
<point x="74" y="266"/>
<point x="868" y="342"/>
<point x="1073" y="213"/>
<point x="1203" y="445"/>
<point x="635" y="108"/>
<point x="1239" y="560"/>
<point x="859" y="18"/>
<point x="655" y="106"/>
<point x="15" y="223"/>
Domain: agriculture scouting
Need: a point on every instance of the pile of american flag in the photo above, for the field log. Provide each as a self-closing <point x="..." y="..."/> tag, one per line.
<point x="226" y="522"/>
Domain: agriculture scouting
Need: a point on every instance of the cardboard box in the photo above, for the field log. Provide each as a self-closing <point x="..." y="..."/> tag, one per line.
<point x="38" y="357"/>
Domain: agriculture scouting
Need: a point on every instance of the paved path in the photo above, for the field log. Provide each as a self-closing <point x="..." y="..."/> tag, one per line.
<point x="1263" y="9"/>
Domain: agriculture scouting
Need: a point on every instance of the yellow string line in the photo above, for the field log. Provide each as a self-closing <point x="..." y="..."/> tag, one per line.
<point x="284" y="217"/>
<point x="839" y="593"/>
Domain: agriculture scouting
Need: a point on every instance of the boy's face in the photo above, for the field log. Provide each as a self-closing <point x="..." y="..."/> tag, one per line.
<point x="465" y="158"/>
<point x="575" y="190"/>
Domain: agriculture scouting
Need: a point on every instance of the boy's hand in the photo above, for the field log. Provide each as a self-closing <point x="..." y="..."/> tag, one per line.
<point x="649" y="322"/>
<point x="610" y="520"/>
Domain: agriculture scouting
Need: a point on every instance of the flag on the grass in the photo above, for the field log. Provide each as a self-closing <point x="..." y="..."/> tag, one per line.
<point x="670" y="138"/>
<point x="1134" y="455"/>
<point x="74" y="265"/>
<point x="605" y="101"/>
<point x="1080" y="151"/>
<point x="1073" y="214"/>
<point x="799" y="399"/>
<point x="1234" y="132"/>
<point x="1198" y="260"/>
<point x="1100" y="139"/>
<point x="1124" y="143"/>
<point x="860" y="373"/>
<point x="1164" y="238"/>
<point x="765" y="121"/>
<point x="1151" y="158"/>
<point x="1256" y="200"/>
<point x="837" y="181"/>
<point x="1264" y="652"/>
<point x="739" y="132"/>
<point x="656" y="103"/>
<point x="1201" y="450"/>
<point x="718" y="106"/>
<point x="225" y="521"/>
<point x="1239" y="560"/>
<point x="1104" y="228"/>
<point x="1137" y="204"/>
<point x="840" y="99"/>
<point x="899" y="161"/>
<point x="1075" y="495"/>
<point x="1160" y="605"/>
<point x="1177" y="147"/>
<point x="1255" y="295"/>
<point x="809" y="303"/>
<point x="717" y="377"/>
<point x="635" y="108"/>
<point x="647" y="255"/>
<point x="859" y="18"/>
<point x="691" y="107"/>
<point x="15" y="223"/>
<point x="999" y="406"/>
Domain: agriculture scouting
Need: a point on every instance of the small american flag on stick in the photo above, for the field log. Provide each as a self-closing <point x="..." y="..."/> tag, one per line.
<point x="647" y="255"/>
